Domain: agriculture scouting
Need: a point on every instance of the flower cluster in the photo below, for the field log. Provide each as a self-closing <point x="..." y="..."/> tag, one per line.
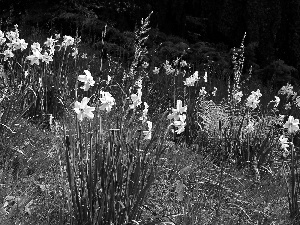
<point x="190" y="81"/>
<point x="47" y="55"/>
<point x="81" y="108"/>
<point x="107" y="101"/>
<point x="179" y="117"/>
<point x="253" y="99"/>
<point x="287" y="90"/>
<point x="237" y="97"/>
<point x="14" y="43"/>
<point x="202" y="91"/>
<point x="168" y="68"/>
<point x="292" y="126"/>
<point x="250" y="127"/>
<point x="68" y="41"/>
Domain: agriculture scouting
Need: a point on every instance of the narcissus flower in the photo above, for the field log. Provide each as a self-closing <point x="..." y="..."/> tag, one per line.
<point x="148" y="132"/>
<point x="277" y="101"/>
<point x="297" y="101"/>
<point x="180" y="124"/>
<point x="202" y="91"/>
<point x="68" y="41"/>
<point x="179" y="110"/>
<point x="284" y="142"/>
<point x="183" y="63"/>
<point x="136" y="99"/>
<point x="292" y="124"/>
<point x="50" y="42"/>
<point x="35" y="57"/>
<point x="214" y="91"/>
<point x="107" y="101"/>
<point x="238" y="96"/>
<point x="250" y="127"/>
<point x="145" y="65"/>
<point x="83" y="110"/>
<point x="190" y="81"/>
<point x="22" y="44"/>
<point x="253" y="99"/>
<point x="145" y="112"/>
<point x="156" y="70"/>
<point x="36" y="46"/>
<point x="7" y="54"/>
<point x="46" y="58"/>
<point x="287" y="90"/>
<point x="87" y="79"/>
<point x="2" y="38"/>
<point x="205" y="77"/>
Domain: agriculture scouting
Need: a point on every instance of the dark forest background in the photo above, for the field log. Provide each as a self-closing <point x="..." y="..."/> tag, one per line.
<point x="206" y="29"/>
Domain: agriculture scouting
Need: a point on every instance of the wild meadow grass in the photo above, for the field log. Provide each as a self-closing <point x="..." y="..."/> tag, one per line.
<point x="87" y="140"/>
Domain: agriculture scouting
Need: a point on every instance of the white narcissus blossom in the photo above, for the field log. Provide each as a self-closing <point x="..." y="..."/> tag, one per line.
<point x="196" y="75"/>
<point x="2" y="38"/>
<point x="145" y="65"/>
<point x="136" y="99"/>
<point x="292" y="124"/>
<point x="256" y="93"/>
<point x="83" y="110"/>
<point x="46" y="58"/>
<point x="108" y="79"/>
<point x="35" y="57"/>
<point x="156" y="70"/>
<point x="180" y="124"/>
<point x="297" y="101"/>
<point x="57" y="36"/>
<point x="284" y="142"/>
<point x="87" y="79"/>
<point x="11" y="35"/>
<point x="8" y="54"/>
<point x="107" y="101"/>
<point x="205" y="77"/>
<point x="238" y="96"/>
<point x="68" y="41"/>
<point x="202" y="91"/>
<point x="253" y="99"/>
<point x="252" y="102"/>
<point x="286" y="90"/>
<point x="50" y="42"/>
<point x="22" y="44"/>
<point x="148" y="133"/>
<point x="214" y="91"/>
<point x="190" y="81"/>
<point x="277" y="101"/>
<point x="36" y="46"/>
<point x="75" y="52"/>
<point x="287" y="106"/>
<point x="183" y="63"/>
<point x="250" y="127"/>
<point x="145" y="112"/>
<point x="179" y="109"/>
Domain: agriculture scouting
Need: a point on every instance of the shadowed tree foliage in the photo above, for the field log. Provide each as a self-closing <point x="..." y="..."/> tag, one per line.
<point x="272" y="26"/>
